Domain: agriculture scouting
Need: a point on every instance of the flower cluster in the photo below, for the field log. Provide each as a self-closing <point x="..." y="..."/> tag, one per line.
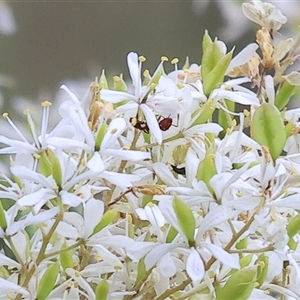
<point x="162" y="187"/>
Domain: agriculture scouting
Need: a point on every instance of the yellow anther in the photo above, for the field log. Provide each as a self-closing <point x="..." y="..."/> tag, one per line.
<point x="117" y="268"/>
<point x="22" y="208"/>
<point x="36" y="155"/>
<point x="129" y="218"/>
<point x="164" y="58"/>
<point x="228" y="131"/>
<point x="273" y="218"/>
<point x="5" y="115"/>
<point x="146" y="73"/>
<point x="294" y="172"/>
<point x="267" y="292"/>
<point x="77" y="273"/>
<point x="246" y="112"/>
<point x="180" y="85"/>
<point x="142" y="58"/>
<point x="174" y="61"/>
<point x="186" y="70"/>
<point x="239" y="194"/>
<point x="116" y="78"/>
<point x="233" y="122"/>
<point x="26" y="111"/>
<point x="46" y="103"/>
<point x="150" y="204"/>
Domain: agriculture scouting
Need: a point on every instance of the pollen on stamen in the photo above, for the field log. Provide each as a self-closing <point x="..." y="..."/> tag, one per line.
<point x="36" y="155"/>
<point x="273" y="218"/>
<point x="146" y="73"/>
<point x="46" y="103"/>
<point x="26" y="111"/>
<point x="142" y="58"/>
<point x="164" y="58"/>
<point x="174" y="61"/>
<point x="5" y="115"/>
<point x="116" y="78"/>
<point x="180" y="85"/>
<point x="246" y="112"/>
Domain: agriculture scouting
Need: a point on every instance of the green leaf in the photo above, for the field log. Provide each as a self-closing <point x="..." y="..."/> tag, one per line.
<point x="284" y="95"/>
<point x="239" y="286"/>
<point x="268" y="129"/>
<point x="102" y="290"/>
<point x="47" y="282"/>
<point x="185" y="219"/>
<point x="107" y="218"/>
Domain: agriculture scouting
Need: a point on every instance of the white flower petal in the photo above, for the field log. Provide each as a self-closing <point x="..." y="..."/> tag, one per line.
<point x="70" y="199"/>
<point x="152" y="123"/>
<point x="130" y="155"/>
<point x="114" y="130"/>
<point x="224" y="257"/>
<point x="194" y="266"/>
<point x="116" y="96"/>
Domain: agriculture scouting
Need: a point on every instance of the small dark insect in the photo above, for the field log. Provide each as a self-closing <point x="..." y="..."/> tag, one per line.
<point x="180" y="171"/>
<point x="139" y="124"/>
<point x="165" y="123"/>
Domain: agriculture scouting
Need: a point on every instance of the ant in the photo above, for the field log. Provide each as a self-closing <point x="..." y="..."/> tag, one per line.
<point x="166" y="123"/>
<point x="139" y="124"/>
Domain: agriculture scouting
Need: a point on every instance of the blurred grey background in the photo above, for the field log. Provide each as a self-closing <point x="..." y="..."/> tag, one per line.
<point x="55" y="41"/>
<point x="46" y="43"/>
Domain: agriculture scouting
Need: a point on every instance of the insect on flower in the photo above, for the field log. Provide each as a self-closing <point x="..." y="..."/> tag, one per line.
<point x="139" y="124"/>
<point x="166" y="123"/>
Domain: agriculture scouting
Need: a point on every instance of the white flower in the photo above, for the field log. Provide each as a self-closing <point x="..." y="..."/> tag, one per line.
<point x="264" y="14"/>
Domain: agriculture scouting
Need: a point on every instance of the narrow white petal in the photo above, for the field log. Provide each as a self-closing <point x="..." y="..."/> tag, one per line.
<point x="167" y="266"/>
<point x="9" y="287"/>
<point x="152" y="123"/>
<point x="114" y="130"/>
<point x="224" y="257"/>
<point x="194" y="266"/>
<point x="116" y="96"/>
<point x="292" y="201"/>
<point x="242" y="57"/>
<point x="71" y="94"/>
<point x="130" y="155"/>
<point x="66" y="144"/>
<point x="93" y="212"/>
<point x="70" y="199"/>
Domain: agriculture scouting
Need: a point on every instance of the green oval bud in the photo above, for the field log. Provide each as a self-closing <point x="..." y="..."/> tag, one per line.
<point x="107" y="218"/>
<point x="103" y="81"/>
<point x="246" y="260"/>
<point x="262" y="270"/>
<point x="186" y="219"/>
<point x="172" y="233"/>
<point x="141" y="271"/>
<point x="56" y="168"/>
<point x="100" y="136"/>
<point x="119" y="84"/>
<point x="204" y="113"/>
<point x="206" y="170"/>
<point x="3" y="223"/>
<point x="65" y="257"/>
<point x="239" y="286"/>
<point x="284" y="95"/>
<point x="293" y="226"/>
<point x="102" y="290"/>
<point x="47" y="282"/>
<point x="268" y="129"/>
<point x="242" y="244"/>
